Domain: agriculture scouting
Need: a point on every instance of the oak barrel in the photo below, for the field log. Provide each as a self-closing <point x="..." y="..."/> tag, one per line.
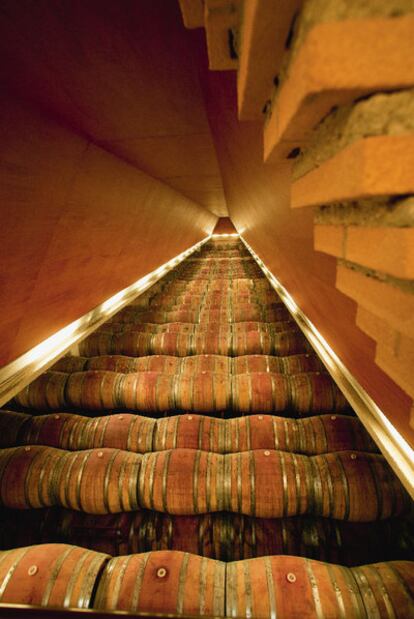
<point x="294" y="587"/>
<point x="50" y="575"/>
<point x="163" y="582"/>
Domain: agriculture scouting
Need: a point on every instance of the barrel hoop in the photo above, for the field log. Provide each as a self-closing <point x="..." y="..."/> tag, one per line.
<point x="275" y="433"/>
<point x="175" y="391"/>
<point x="297" y="482"/>
<point x="338" y="593"/>
<point x="91" y="428"/>
<point x="220" y="489"/>
<point x="286" y="425"/>
<point x="130" y="434"/>
<point x="383" y="589"/>
<point x="275" y="405"/>
<point x="79" y="479"/>
<point x="154" y="461"/>
<point x="54" y="575"/>
<point x="181" y="583"/>
<point x="301" y="428"/>
<point x="315" y="590"/>
<point x="247" y="589"/>
<point x="105" y="424"/>
<point x="345" y="486"/>
<point x="165" y="480"/>
<point x="319" y="420"/>
<point x="49" y="499"/>
<point x="177" y="422"/>
<point x="203" y="585"/>
<point x="248" y="433"/>
<point x="368" y="598"/>
<point x="408" y="596"/>
<point x="20" y="554"/>
<point x="227" y="502"/>
<point x="109" y="467"/>
<point x="318" y="489"/>
<point x="252" y="472"/>
<point x="116" y="587"/>
<point x="121" y="477"/>
<point x="285" y="495"/>
<point x="72" y="433"/>
<point x="138" y="582"/>
<point x="231" y="590"/>
<point x="270" y="588"/>
<point x="331" y="496"/>
<point x="27" y="480"/>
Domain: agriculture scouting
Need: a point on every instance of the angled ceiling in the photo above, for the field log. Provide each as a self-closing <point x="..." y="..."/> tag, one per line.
<point x="122" y="74"/>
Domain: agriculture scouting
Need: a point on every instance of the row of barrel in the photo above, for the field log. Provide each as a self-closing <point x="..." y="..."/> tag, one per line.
<point x="137" y="343"/>
<point x="152" y="475"/>
<point x="220" y="535"/>
<point x="169" y="364"/>
<point x="181" y="583"/>
<point x="207" y="392"/>
<point x="314" y="435"/>
<point x="345" y="485"/>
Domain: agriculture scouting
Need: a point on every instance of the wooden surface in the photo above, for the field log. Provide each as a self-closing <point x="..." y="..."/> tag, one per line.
<point x="121" y="74"/>
<point x="78" y="225"/>
<point x="259" y="203"/>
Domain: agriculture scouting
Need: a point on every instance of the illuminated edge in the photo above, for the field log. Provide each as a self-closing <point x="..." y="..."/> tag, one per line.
<point x="393" y="446"/>
<point x="23" y="370"/>
<point x="224" y="235"/>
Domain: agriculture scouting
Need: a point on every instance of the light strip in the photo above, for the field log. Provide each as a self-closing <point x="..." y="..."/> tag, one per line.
<point x="225" y="235"/>
<point x="392" y="444"/>
<point x="23" y="370"/>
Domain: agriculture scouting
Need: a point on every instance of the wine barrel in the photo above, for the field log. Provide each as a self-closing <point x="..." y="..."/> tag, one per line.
<point x="94" y="481"/>
<point x="196" y="364"/>
<point x="280" y="344"/>
<point x="291" y="364"/>
<point x="305" y="394"/>
<point x="166" y="364"/>
<point x="315" y="435"/>
<point x="312" y="436"/>
<point x="296" y="587"/>
<point x="46" y="392"/>
<point x="184" y="345"/>
<point x="98" y="481"/>
<point x="26" y="474"/>
<point x="99" y="343"/>
<point x="50" y="575"/>
<point x="163" y="582"/>
<point x="230" y="297"/>
<point x="115" y="328"/>
<point x="346" y="485"/>
<point x="125" y="365"/>
<point x="75" y="432"/>
<point x="93" y="390"/>
<point x="247" y="304"/>
<point x="11" y="424"/>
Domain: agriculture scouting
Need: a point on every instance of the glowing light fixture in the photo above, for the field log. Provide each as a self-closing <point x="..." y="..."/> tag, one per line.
<point x="227" y="234"/>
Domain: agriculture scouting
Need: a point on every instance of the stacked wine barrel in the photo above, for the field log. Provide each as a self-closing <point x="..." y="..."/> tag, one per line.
<point x="196" y="459"/>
